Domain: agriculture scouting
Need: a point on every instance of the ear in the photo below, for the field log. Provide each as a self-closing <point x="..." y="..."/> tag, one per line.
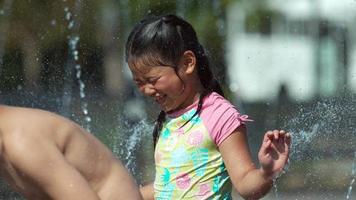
<point x="189" y="62"/>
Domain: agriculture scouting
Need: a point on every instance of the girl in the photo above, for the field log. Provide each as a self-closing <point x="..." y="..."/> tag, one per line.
<point x="199" y="137"/>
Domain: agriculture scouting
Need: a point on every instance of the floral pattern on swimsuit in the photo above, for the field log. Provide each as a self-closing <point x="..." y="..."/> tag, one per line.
<point x="188" y="163"/>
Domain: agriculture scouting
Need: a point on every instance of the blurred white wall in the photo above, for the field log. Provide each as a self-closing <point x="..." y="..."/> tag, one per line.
<point x="258" y="65"/>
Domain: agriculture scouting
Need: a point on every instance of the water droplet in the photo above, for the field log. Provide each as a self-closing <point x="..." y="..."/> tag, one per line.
<point x="82" y="95"/>
<point x="53" y="22"/>
<point x="79" y="74"/>
<point x="71" y="25"/>
<point x="88" y="119"/>
<point x="68" y="15"/>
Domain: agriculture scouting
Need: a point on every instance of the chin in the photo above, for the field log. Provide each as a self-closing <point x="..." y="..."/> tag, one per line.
<point x="167" y="109"/>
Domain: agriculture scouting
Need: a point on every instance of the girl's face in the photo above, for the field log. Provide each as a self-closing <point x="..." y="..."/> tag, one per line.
<point x="163" y="84"/>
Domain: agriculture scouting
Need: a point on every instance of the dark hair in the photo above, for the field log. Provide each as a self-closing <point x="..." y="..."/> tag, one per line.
<point x="163" y="40"/>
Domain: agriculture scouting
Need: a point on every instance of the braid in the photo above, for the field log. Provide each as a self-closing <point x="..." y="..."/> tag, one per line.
<point x="205" y="74"/>
<point x="210" y="84"/>
<point x="159" y="123"/>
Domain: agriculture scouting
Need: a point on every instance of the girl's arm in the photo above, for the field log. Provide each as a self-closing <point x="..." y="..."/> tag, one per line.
<point x="147" y="192"/>
<point x="249" y="181"/>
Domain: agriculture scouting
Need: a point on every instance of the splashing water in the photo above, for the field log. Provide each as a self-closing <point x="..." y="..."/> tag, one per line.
<point x="275" y="181"/>
<point x="301" y="141"/>
<point x="275" y="189"/>
<point x="322" y="132"/>
<point x="326" y="123"/>
<point x="73" y="41"/>
<point x="136" y="133"/>
<point x="353" y="175"/>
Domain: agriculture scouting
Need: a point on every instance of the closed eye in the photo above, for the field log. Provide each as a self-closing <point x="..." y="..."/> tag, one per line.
<point x="153" y="80"/>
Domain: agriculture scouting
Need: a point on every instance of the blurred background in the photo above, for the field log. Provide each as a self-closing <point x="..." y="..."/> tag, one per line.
<point x="287" y="64"/>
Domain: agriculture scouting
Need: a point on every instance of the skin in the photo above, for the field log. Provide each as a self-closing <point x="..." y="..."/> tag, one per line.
<point x="173" y="93"/>
<point x="170" y="91"/>
<point x="46" y="156"/>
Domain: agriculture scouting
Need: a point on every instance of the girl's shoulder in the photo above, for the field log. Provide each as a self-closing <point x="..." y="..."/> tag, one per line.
<point x="216" y="100"/>
<point x="221" y="117"/>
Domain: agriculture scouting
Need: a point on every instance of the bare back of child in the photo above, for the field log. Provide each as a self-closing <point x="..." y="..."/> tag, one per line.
<point x="46" y="156"/>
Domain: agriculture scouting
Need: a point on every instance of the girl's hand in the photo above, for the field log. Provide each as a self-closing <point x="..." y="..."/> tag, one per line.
<point x="274" y="152"/>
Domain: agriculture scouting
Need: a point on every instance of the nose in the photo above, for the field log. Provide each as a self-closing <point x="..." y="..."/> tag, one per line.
<point x="148" y="90"/>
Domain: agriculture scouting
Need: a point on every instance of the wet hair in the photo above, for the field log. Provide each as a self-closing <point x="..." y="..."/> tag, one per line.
<point x="162" y="40"/>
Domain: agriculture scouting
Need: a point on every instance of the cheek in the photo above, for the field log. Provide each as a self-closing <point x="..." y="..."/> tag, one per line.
<point x="169" y="85"/>
<point x="141" y="89"/>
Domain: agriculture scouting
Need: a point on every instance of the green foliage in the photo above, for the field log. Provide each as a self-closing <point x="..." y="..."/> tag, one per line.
<point x="260" y="20"/>
<point x="45" y="23"/>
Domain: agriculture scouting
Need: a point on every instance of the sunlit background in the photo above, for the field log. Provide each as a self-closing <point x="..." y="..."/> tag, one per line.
<point x="287" y="64"/>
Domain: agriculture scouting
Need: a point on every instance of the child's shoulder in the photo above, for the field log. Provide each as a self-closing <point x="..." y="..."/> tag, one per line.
<point x="216" y="105"/>
<point x="216" y="100"/>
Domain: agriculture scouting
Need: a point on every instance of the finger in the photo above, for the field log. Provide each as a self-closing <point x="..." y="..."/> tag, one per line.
<point x="267" y="139"/>
<point x="268" y="136"/>
<point x="265" y="146"/>
<point x="286" y="143"/>
<point x="278" y="146"/>
<point x="282" y="137"/>
<point x="276" y="134"/>
<point x="288" y="138"/>
<point x="282" y="134"/>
